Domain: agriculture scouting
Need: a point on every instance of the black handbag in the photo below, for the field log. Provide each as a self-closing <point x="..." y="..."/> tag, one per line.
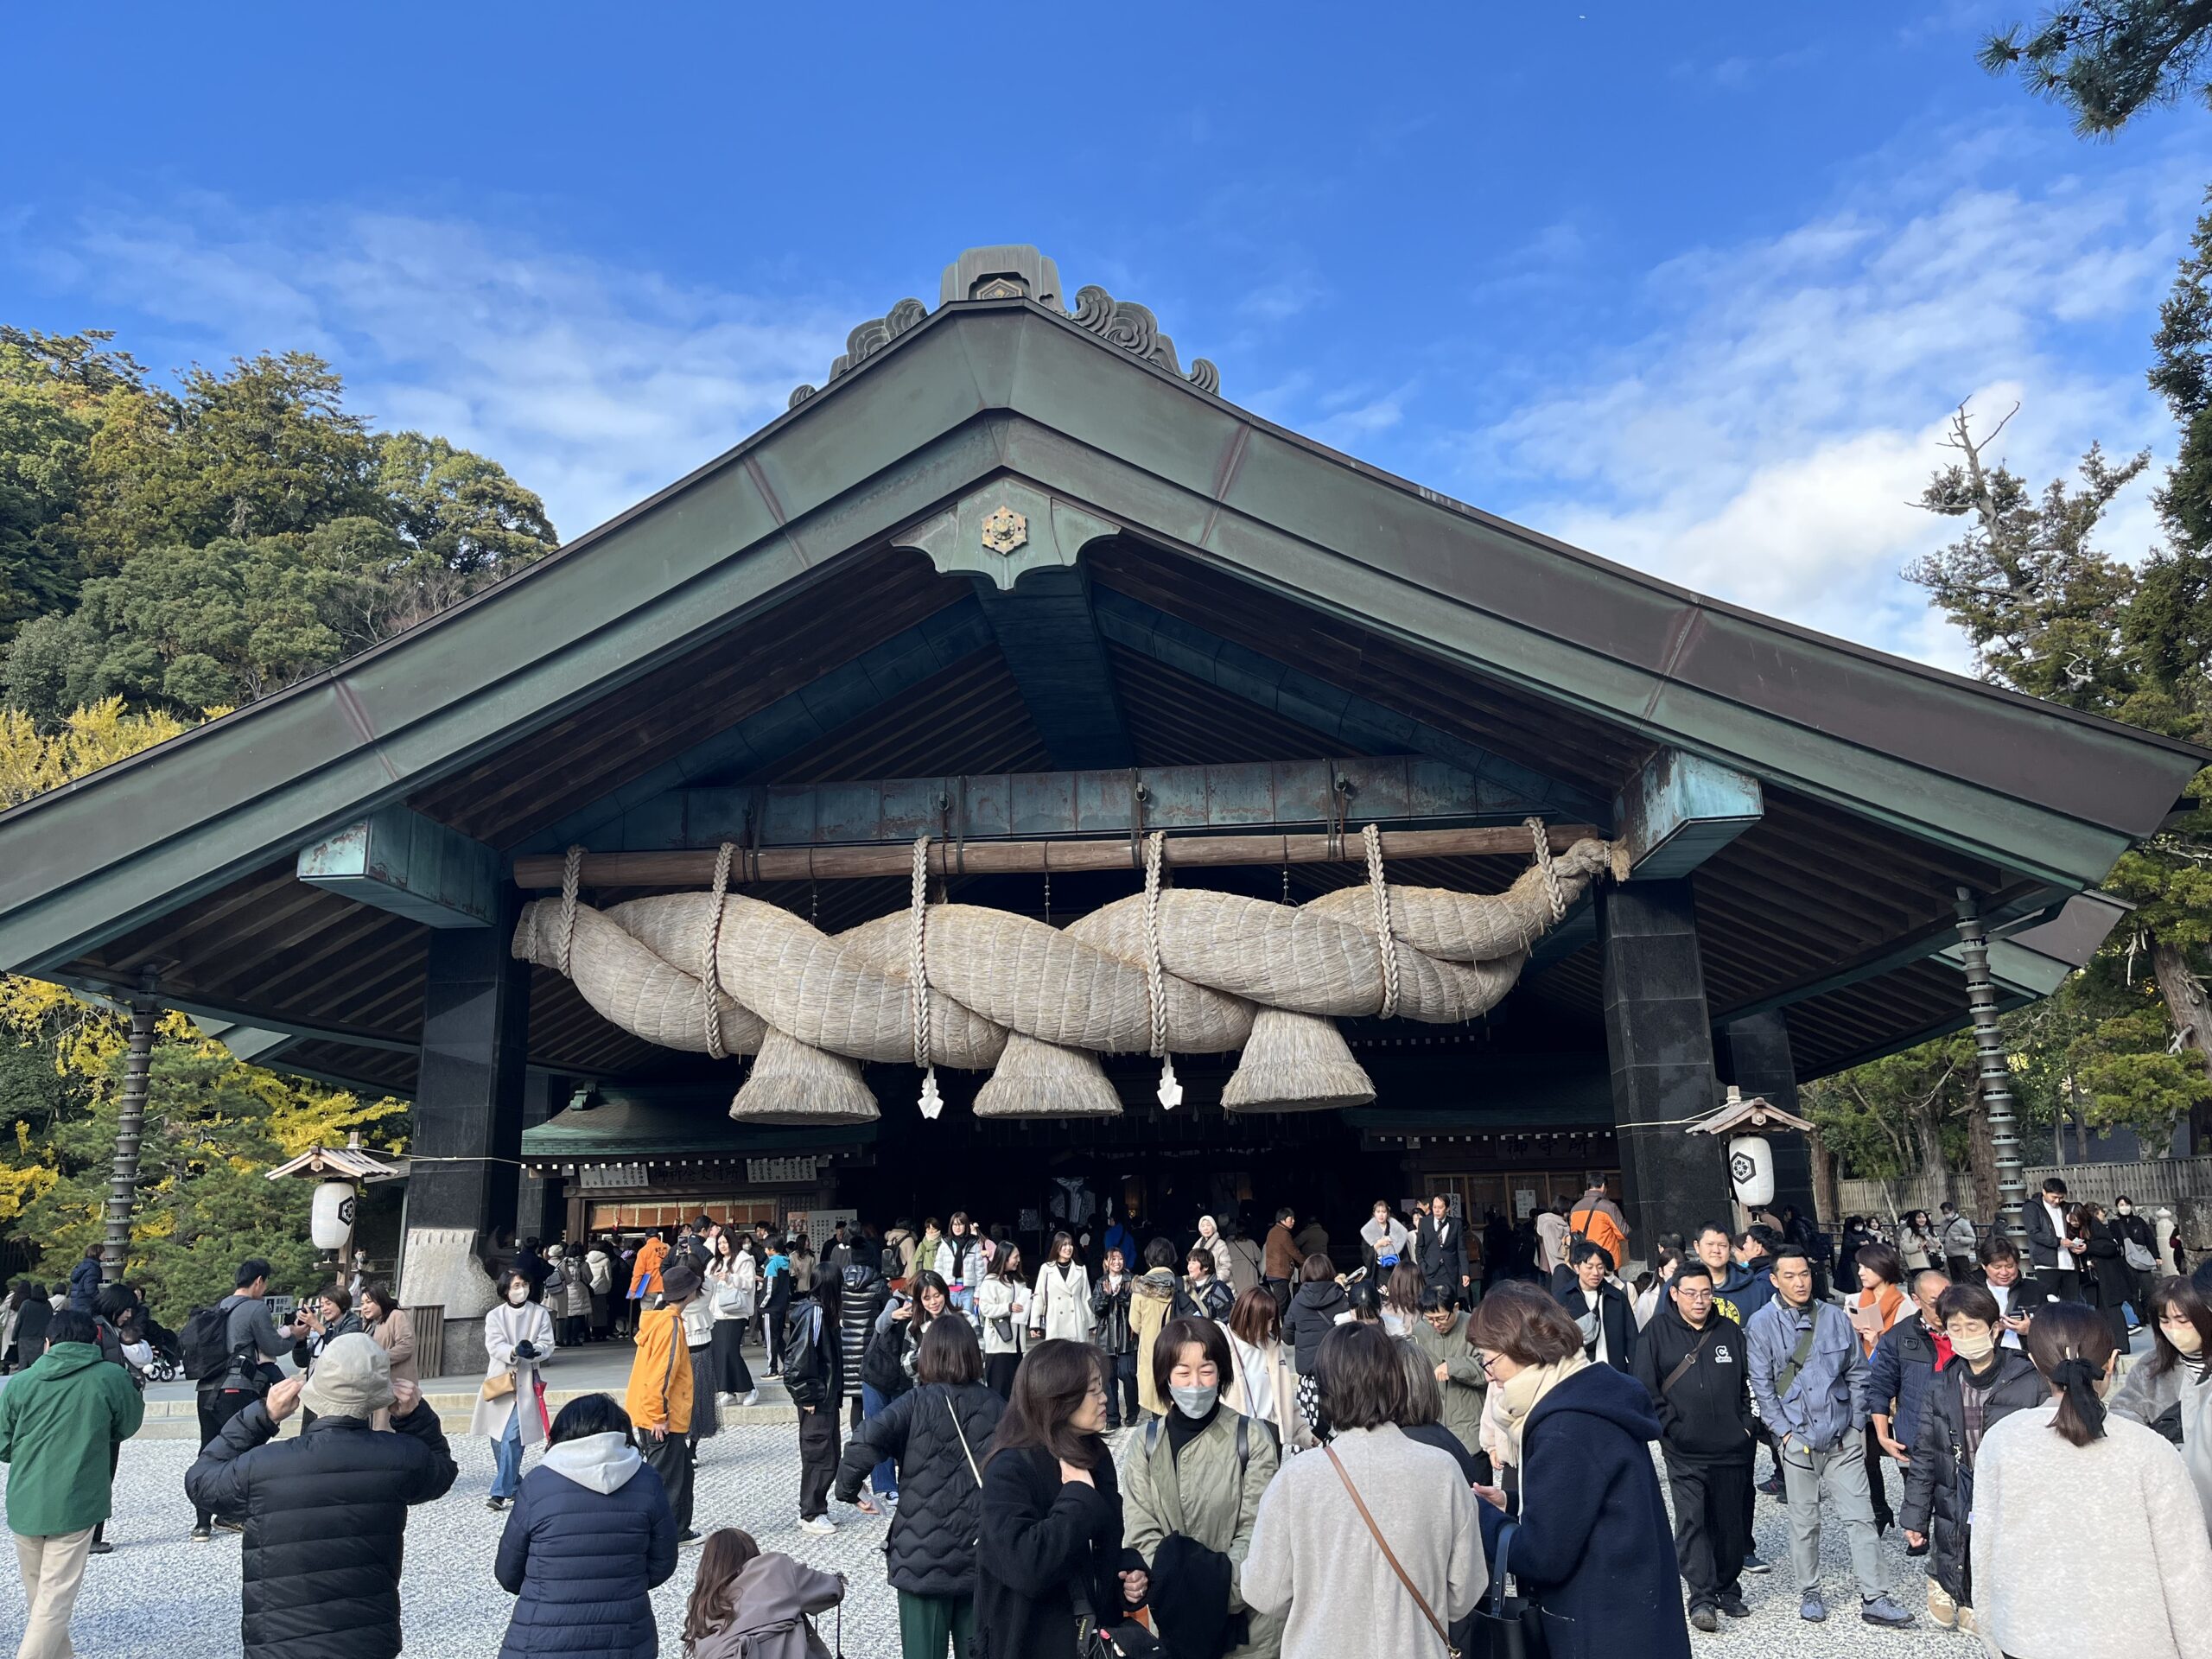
<point x="1507" y="1627"/>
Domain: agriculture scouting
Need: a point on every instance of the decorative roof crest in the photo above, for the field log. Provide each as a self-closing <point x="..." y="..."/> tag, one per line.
<point x="1013" y="271"/>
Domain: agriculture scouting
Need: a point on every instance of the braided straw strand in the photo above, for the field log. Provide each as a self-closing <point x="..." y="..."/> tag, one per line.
<point x="918" y="973"/>
<point x="710" y="987"/>
<point x="1387" y="944"/>
<point x="572" y="870"/>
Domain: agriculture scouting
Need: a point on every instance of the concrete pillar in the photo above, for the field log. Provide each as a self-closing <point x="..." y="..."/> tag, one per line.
<point x="1659" y="1040"/>
<point x="1759" y="1064"/>
<point x="467" y="1127"/>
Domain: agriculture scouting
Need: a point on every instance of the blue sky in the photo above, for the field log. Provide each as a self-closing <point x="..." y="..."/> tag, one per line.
<point x="1694" y="286"/>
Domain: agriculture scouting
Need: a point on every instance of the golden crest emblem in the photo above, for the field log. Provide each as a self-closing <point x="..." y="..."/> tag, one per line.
<point x="1004" y="529"/>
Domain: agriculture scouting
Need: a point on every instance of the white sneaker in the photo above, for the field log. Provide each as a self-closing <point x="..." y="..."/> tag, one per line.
<point x="752" y="1399"/>
<point x="724" y="1399"/>
<point x="822" y="1526"/>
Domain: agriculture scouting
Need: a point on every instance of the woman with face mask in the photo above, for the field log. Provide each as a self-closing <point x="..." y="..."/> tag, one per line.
<point x="1191" y="1494"/>
<point x="2169" y="1389"/>
<point x="1984" y="1383"/>
<point x="511" y="1403"/>
<point x="2087" y="1536"/>
<point x="2138" y="1249"/>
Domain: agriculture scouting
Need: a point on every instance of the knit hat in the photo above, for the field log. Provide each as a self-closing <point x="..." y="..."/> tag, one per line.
<point x="679" y="1281"/>
<point x="352" y="1378"/>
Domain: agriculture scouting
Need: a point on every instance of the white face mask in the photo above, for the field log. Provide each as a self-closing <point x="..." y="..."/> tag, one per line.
<point x="518" y="1294"/>
<point x="2127" y="1209"/>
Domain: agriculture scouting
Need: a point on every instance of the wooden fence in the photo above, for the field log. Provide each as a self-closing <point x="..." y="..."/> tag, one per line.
<point x="2151" y="1182"/>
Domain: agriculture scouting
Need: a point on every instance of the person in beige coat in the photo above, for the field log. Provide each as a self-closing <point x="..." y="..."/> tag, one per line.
<point x="1199" y="1472"/>
<point x="390" y="1327"/>
<point x="510" y="1405"/>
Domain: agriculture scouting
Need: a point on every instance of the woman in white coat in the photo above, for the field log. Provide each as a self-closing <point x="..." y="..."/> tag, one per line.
<point x="1211" y="1242"/>
<point x="511" y="1405"/>
<point x="1061" y="1307"/>
<point x="1002" y="1306"/>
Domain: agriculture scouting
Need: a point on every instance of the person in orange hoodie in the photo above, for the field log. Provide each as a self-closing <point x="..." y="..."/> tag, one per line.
<point x="645" y="1274"/>
<point x="658" y="1398"/>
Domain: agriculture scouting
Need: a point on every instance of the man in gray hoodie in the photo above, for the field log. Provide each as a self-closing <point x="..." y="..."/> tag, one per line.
<point x="1808" y="1378"/>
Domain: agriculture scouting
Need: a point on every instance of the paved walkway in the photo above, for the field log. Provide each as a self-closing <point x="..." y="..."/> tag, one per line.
<point x="160" y="1593"/>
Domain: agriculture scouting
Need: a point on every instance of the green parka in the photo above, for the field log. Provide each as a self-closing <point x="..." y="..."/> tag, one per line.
<point x="1205" y="1496"/>
<point x="1463" y="1381"/>
<point x="58" y="1421"/>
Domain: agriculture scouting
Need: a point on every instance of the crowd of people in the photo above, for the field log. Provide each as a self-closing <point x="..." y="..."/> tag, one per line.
<point x="1215" y="1447"/>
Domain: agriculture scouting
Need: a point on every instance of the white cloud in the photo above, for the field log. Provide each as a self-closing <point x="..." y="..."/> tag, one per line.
<point x="594" y="384"/>
<point x="1763" y="439"/>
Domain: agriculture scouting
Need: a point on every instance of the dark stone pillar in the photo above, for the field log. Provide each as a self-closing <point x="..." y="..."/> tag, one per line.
<point x="1759" y="1064"/>
<point x="540" y="1211"/>
<point x="467" y="1127"/>
<point x="1659" y="1039"/>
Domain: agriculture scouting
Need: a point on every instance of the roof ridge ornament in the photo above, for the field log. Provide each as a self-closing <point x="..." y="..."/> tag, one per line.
<point x="1020" y="271"/>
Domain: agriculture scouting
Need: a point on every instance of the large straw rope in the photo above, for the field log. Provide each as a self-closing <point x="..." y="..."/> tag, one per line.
<point x="1167" y="970"/>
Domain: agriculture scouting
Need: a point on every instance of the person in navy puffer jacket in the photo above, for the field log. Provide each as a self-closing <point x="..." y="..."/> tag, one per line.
<point x="589" y="1536"/>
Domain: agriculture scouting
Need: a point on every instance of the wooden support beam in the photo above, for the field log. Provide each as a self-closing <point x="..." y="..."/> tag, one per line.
<point x="691" y="869"/>
<point x="1264" y="794"/>
<point x="401" y="861"/>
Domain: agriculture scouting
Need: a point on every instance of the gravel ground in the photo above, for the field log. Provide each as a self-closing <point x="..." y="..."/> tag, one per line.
<point x="159" y="1592"/>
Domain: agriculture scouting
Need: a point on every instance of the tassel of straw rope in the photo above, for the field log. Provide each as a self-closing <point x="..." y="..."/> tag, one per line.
<point x="1372" y="836"/>
<point x="1171" y="1092"/>
<point x="917" y="970"/>
<point x="571" y="877"/>
<point x="710" y="981"/>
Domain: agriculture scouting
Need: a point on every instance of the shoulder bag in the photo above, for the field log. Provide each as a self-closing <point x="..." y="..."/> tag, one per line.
<point x="1383" y="1544"/>
<point x="1514" y="1624"/>
<point x="502" y="1385"/>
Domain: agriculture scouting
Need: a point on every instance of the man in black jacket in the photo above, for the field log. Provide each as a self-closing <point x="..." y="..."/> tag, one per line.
<point x="2055" y="1258"/>
<point x="253" y="1344"/>
<point x="326" y="1514"/>
<point x="866" y="1296"/>
<point x="1692" y="1361"/>
<point x="1441" y="1252"/>
<point x="1116" y="1340"/>
<point x="1596" y="1304"/>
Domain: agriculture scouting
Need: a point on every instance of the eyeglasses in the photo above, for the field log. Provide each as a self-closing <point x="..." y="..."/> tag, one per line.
<point x="1689" y="1295"/>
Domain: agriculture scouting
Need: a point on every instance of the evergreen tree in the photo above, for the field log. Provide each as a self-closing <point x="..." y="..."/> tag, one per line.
<point x="2106" y="60"/>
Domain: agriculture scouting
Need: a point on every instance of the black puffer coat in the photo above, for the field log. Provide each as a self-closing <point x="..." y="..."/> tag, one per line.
<point x="1939" y="1481"/>
<point x="866" y="1296"/>
<point x="1319" y="1304"/>
<point x="932" y="1544"/>
<point x="326" y="1515"/>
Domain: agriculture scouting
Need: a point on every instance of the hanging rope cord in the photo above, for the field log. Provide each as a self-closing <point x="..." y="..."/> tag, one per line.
<point x="917" y="972"/>
<point x="1171" y="1092"/>
<point x="1385" y="945"/>
<point x="710" y="976"/>
<point x="1553" y="890"/>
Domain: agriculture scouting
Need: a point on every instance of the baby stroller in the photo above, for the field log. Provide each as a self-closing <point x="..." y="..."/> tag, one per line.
<point x="165" y="1356"/>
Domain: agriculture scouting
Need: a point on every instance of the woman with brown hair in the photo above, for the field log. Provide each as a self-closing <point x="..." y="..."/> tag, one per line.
<point x="2105" y="1277"/>
<point x="2169" y="1389"/>
<point x="1877" y="1305"/>
<point x="389" y="1325"/>
<point x="1370" y="1545"/>
<point x="1401" y="1298"/>
<point x="755" y="1603"/>
<point x="937" y="1433"/>
<point x="1264" y="1388"/>
<point x="2087" y="1535"/>
<point x="1591" y="1545"/>
<point x="1049" y="1551"/>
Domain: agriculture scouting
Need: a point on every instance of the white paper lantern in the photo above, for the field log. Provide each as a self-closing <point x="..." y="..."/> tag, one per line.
<point x="1750" y="1170"/>
<point x="332" y="1220"/>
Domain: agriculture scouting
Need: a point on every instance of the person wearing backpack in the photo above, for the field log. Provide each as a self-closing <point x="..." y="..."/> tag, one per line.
<point x="1598" y="1218"/>
<point x="230" y="1353"/>
<point x="1809" y="1376"/>
<point x="1191" y="1497"/>
<point x="1690" y="1360"/>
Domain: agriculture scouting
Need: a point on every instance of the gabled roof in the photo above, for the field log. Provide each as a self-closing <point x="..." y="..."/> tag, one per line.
<point x="487" y="715"/>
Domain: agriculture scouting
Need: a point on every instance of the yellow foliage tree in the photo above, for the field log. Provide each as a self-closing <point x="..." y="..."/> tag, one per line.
<point x="228" y="1115"/>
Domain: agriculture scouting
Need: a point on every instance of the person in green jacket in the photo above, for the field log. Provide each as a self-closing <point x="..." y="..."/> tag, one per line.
<point x="1195" y="1476"/>
<point x="59" y="1420"/>
<point x="1441" y="1336"/>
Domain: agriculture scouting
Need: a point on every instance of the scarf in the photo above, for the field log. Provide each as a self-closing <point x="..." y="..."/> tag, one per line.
<point x="1517" y="1397"/>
